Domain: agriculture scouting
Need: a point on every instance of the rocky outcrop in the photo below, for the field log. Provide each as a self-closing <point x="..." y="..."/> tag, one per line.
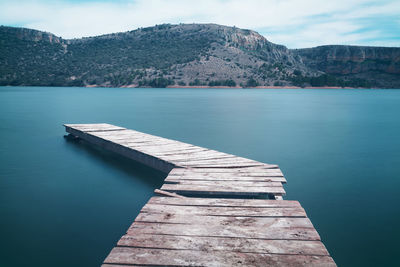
<point x="30" y="35"/>
<point x="340" y="59"/>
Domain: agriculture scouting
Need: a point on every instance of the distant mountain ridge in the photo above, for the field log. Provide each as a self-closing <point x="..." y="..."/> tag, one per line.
<point x="188" y="55"/>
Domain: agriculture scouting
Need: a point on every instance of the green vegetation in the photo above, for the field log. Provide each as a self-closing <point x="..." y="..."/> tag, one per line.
<point x="181" y="83"/>
<point x="328" y="80"/>
<point x="156" y="83"/>
<point x="196" y="82"/>
<point x="113" y="58"/>
<point x="230" y="83"/>
<point x="252" y="82"/>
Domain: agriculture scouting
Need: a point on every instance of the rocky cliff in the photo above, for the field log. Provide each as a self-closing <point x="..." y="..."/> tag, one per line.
<point x="379" y="65"/>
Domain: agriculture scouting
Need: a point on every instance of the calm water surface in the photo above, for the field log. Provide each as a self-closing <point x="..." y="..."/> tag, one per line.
<point x="66" y="203"/>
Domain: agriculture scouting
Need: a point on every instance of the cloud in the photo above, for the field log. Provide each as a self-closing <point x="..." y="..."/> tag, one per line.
<point x="295" y="23"/>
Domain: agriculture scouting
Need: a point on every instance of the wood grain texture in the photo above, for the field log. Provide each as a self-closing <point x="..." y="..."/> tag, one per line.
<point x="190" y="219"/>
<point x="225" y="202"/>
<point x="228" y="188"/>
<point x="158" y="257"/>
<point x="226" y="211"/>
<point x="244" y="245"/>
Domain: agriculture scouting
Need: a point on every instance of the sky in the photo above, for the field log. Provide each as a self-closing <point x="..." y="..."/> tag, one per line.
<point x="294" y="23"/>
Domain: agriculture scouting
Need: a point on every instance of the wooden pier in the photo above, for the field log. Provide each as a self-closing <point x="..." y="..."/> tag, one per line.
<point x="206" y="216"/>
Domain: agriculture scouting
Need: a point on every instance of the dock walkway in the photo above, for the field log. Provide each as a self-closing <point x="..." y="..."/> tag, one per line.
<point x="203" y="225"/>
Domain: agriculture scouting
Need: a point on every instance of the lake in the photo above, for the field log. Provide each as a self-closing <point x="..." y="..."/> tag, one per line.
<point x="66" y="203"/>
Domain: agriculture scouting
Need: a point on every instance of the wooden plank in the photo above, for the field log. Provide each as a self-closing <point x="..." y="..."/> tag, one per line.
<point x="136" y="133"/>
<point x="214" y="163"/>
<point x="194" y="149"/>
<point x="262" y="168"/>
<point x="201" y="221"/>
<point x="129" y="138"/>
<point x="227" y="175"/>
<point x="225" y="202"/>
<point x="233" y="159"/>
<point x="225" y="211"/>
<point x="244" y="245"/>
<point x="226" y="183"/>
<point x="229" y="231"/>
<point x="239" y="171"/>
<point x="111" y="129"/>
<point x="126" y="133"/>
<point x="226" y="189"/>
<point x="217" y="165"/>
<point x="164" y="193"/>
<point x="221" y="175"/>
<point x="142" y="145"/>
<point x="227" y="178"/>
<point x="195" y="157"/>
<point x="90" y="125"/>
<point x="157" y="257"/>
<point x="206" y="152"/>
<point x="158" y="147"/>
<point x="95" y="127"/>
<point x="211" y="152"/>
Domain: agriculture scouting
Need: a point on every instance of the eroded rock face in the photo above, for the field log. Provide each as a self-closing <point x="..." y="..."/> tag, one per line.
<point x="336" y="59"/>
<point x="31" y="35"/>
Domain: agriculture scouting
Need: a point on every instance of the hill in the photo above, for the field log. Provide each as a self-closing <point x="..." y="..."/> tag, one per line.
<point x="187" y="54"/>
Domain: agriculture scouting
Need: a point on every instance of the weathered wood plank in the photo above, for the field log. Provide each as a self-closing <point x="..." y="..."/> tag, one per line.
<point x="129" y="138"/>
<point x="226" y="183"/>
<point x="223" y="189"/>
<point x="90" y="125"/>
<point x="218" y="165"/>
<point x="225" y="160"/>
<point x="158" y="147"/>
<point x="230" y="231"/>
<point x="126" y="133"/>
<point x="221" y="171"/>
<point x="226" y="178"/>
<point x="196" y="158"/>
<point x="216" y="176"/>
<point x="207" y="152"/>
<point x="223" y="175"/>
<point x="201" y="220"/>
<point x="165" y="152"/>
<point x="157" y="257"/>
<point x="244" y="245"/>
<point x="165" y="193"/>
<point x="95" y="127"/>
<point x="225" y="202"/>
<point x="225" y="211"/>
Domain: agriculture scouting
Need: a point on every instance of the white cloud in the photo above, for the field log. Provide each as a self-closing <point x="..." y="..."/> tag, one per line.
<point x="318" y="22"/>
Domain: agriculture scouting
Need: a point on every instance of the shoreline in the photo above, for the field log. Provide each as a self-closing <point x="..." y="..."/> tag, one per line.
<point x="267" y="87"/>
<point x="204" y="87"/>
<point x="239" y="87"/>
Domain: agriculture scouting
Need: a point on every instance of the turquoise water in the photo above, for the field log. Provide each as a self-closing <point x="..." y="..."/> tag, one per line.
<point x="66" y="203"/>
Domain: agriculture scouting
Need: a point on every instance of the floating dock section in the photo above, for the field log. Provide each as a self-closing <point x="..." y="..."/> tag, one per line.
<point x="216" y="209"/>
